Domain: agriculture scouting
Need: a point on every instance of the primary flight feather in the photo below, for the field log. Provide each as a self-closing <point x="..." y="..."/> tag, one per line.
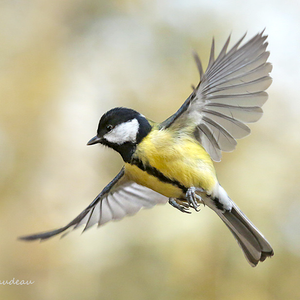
<point x="172" y="161"/>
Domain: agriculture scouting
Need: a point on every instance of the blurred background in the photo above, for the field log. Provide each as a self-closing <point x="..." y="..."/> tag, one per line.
<point x="65" y="63"/>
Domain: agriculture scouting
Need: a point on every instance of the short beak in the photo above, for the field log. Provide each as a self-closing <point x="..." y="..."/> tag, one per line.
<point x="94" y="140"/>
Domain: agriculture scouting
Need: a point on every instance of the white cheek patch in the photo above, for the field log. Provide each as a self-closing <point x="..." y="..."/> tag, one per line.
<point x="122" y="133"/>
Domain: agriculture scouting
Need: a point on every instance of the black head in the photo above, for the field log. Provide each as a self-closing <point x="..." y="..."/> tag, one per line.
<point x="121" y="129"/>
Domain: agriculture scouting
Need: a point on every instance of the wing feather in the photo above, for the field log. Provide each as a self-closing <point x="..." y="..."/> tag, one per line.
<point x="205" y="135"/>
<point x="241" y="100"/>
<point x="233" y="126"/>
<point x="247" y="114"/>
<point x="94" y="216"/>
<point x="119" y="198"/>
<point x="105" y="213"/>
<point x="231" y="93"/>
<point x="212" y="54"/>
<point x="224" y="139"/>
<point x="233" y="78"/>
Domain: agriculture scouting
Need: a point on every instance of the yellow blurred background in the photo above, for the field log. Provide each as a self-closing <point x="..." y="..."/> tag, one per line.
<point x="63" y="64"/>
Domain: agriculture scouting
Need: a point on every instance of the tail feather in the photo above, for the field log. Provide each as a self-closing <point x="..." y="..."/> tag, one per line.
<point x="254" y="245"/>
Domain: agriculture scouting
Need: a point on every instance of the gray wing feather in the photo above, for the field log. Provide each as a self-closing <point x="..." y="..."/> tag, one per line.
<point x="125" y="199"/>
<point x="230" y="94"/>
<point x="242" y="100"/>
<point x="234" y="127"/>
<point x="247" y="114"/>
<point x="119" y="198"/>
<point x="206" y="137"/>
<point x="223" y="138"/>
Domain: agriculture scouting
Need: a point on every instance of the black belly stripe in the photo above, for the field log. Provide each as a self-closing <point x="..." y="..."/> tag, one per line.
<point x="156" y="173"/>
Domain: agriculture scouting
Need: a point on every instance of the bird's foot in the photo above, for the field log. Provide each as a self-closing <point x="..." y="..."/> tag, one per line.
<point x="193" y="198"/>
<point x="183" y="207"/>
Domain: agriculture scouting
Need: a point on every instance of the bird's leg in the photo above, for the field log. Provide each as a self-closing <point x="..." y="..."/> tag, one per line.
<point x="182" y="207"/>
<point x="193" y="199"/>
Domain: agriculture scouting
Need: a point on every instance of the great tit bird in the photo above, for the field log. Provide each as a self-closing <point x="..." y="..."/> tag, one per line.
<point x="172" y="161"/>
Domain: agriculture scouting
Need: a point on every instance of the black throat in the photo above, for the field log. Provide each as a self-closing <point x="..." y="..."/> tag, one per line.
<point x="127" y="149"/>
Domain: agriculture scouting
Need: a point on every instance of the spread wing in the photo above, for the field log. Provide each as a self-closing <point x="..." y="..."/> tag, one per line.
<point x="119" y="198"/>
<point x="230" y="94"/>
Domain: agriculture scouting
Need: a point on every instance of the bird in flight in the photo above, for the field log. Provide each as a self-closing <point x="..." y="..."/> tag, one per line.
<point x="172" y="161"/>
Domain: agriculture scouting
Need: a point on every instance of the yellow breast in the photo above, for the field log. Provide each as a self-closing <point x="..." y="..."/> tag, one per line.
<point x="179" y="158"/>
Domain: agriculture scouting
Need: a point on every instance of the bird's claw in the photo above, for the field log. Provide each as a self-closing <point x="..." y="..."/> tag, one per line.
<point x="182" y="207"/>
<point x="193" y="198"/>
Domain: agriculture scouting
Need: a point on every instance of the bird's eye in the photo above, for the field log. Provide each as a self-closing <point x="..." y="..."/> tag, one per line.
<point x="109" y="127"/>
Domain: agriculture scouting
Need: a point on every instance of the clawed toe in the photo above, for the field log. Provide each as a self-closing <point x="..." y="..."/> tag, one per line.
<point x="182" y="207"/>
<point x="193" y="198"/>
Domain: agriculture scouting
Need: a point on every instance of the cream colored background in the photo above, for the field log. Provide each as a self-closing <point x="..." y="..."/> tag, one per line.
<point x="62" y="65"/>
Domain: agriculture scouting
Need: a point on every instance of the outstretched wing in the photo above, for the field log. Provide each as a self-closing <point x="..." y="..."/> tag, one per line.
<point x="119" y="198"/>
<point x="230" y="94"/>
